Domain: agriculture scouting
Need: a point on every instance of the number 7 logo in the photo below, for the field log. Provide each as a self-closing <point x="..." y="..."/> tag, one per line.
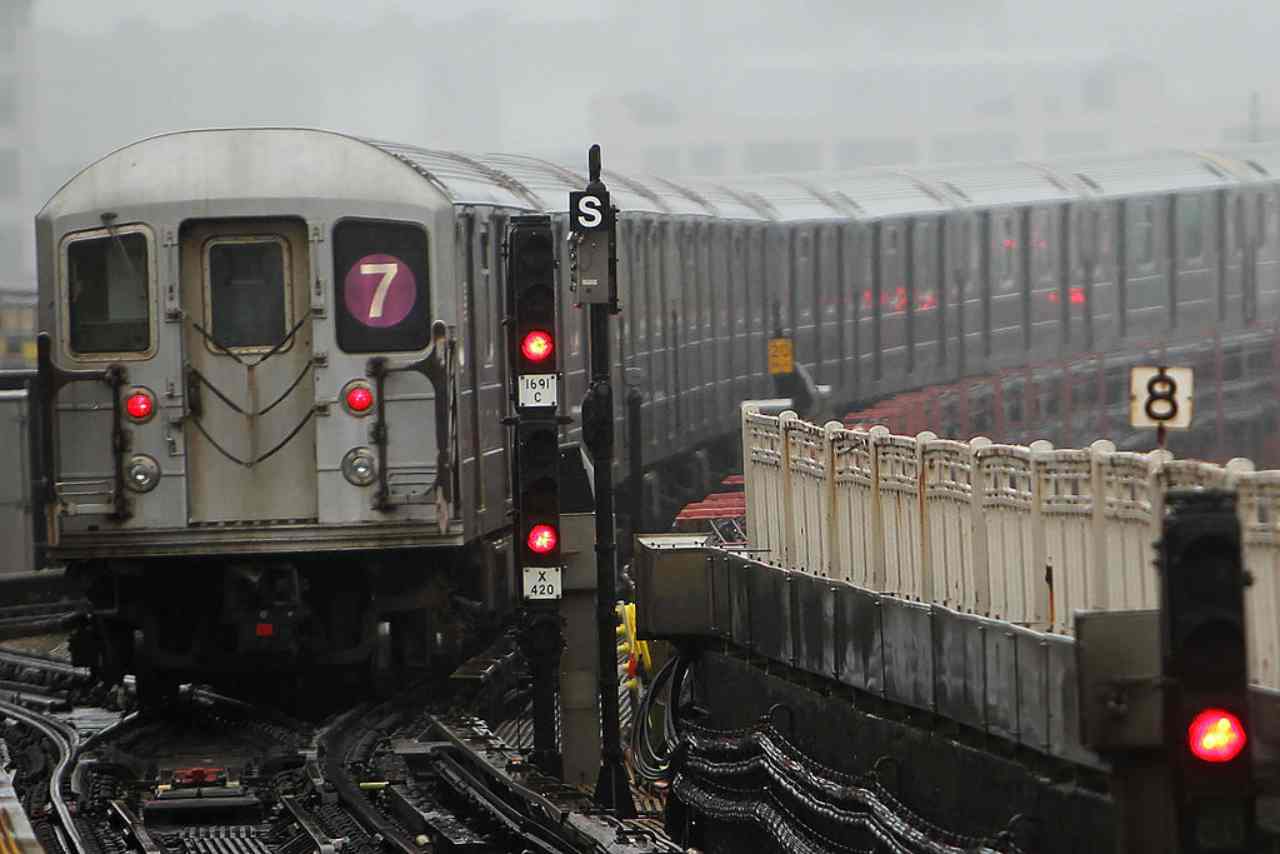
<point x="388" y="273"/>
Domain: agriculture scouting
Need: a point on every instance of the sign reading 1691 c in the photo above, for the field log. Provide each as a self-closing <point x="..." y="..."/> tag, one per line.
<point x="589" y="211"/>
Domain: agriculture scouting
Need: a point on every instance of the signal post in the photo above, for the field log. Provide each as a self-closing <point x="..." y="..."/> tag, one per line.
<point x="593" y="268"/>
<point x="534" y="353"/>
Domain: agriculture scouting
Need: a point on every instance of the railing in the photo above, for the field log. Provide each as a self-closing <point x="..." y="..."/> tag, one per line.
<point x="1028" y="535"/>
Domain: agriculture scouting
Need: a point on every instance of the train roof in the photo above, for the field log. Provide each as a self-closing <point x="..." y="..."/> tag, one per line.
<point x="334" y="165"/>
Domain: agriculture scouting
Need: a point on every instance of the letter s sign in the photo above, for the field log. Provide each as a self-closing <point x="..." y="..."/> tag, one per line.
<point x="588" y="211"/>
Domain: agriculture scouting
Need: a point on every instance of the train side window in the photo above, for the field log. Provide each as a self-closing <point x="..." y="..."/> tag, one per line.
<point x="1041" y="260"/>
<point x="382" y="290"/>
<point x="107" y="281"/>
<point x="1003" y="246"/>
<point x="1144" y="235"/>
<point x="1191" y="227"/>
<point x="247" y="284"/>
<point x="1267" y="221"/>
<point x="1232" y="365"/>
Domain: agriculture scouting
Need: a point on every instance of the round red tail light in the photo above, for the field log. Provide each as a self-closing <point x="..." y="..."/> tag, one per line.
<point x="140" y="405"/>
<point x="542" y="539"/>
<point x="358" y="398"/>
<point x="537" y="345"/>
<point x="1216" y="735"/>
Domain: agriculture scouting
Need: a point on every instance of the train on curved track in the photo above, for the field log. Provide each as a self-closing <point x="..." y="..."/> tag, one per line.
<point x="268" y="408"/>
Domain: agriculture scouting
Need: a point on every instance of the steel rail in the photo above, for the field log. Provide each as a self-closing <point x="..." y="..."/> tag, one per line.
<point x="67" y="741"/>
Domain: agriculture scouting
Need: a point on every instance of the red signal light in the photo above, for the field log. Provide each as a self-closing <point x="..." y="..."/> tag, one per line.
<point x="542" y="539"/>
<point x="140" y="406"/>
<point x="537" y="345"/>
<point x="359" y="399"/>
<point x="1216" y="735"/>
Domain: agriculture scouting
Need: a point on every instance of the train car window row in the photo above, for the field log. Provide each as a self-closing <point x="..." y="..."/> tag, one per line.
<point x="108" y="292"/>
<point x="381" y="286"/>
<point x="247" y="285"/>
<point x="1191" y="222"/>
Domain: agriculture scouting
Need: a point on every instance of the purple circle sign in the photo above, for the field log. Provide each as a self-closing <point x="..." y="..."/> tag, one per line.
<point x="380" y="290"/>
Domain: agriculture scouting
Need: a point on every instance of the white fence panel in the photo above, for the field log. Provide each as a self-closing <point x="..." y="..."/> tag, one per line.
<point x="807" y="472"/>
<point x="1259" y="507"/>
<point x="898" y="496"/>
<point x="762" y="451"/>
<point x="1007" y="501"/>
<point x="948" y="517"/>
<point x="1065" y="480"/>
<point x="1128" y="530"/>
<point x="856" y="516"/>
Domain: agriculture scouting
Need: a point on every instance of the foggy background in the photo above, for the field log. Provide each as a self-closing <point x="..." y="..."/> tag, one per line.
<point x="671" y="87"/>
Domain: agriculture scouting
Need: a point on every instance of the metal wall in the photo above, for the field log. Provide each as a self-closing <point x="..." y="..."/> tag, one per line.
<point x="1007" y="681"/>
<point x="15" y="485"/>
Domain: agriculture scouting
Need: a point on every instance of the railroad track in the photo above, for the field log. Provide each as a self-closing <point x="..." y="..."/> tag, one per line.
<point x="400" y="777"/>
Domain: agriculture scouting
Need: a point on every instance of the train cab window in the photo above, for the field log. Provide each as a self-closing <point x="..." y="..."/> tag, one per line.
<point x="108" y="293"/>
<point x="247" y="291"/>
<point x="380" y="278"/>
<point x="1191" y="227"/>
<point x="1144" y="236"/>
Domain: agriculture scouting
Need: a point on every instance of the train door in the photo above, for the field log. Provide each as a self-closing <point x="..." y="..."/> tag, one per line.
<point x="739" y="299"/>
<point x="849" y="281"/>
<point x="1092" y="295"/>
<point x="889" y="304"/>
<point x="924" y="300"/>
<point x="759" y="320"/>
<point x="1005" y="336"/>
<point x="1043" y="302"/>
<point x="469" y="463"/>
<point x="251" y="451"/>
<point x="493" y="474"/>
<point x="719" y="326"/>
<point x="1267" y="277"/>
<point x="826" y="275"/>
<point x="965" y="304"/>
<point x="1146" y="296"/>
<point x="804" y="297"/>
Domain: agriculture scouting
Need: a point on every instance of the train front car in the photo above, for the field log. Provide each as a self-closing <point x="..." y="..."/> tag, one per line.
<point x="250" y="334"/>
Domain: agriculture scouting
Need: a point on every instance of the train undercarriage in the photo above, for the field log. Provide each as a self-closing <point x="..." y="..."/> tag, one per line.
<point x="363" y="618"/>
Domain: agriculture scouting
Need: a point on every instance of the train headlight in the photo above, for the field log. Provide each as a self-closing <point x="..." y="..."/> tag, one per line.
<point x="141" y="473"/>
<point x="360" y="467"/>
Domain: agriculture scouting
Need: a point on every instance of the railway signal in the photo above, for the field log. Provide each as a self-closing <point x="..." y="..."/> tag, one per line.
<point x="1205" y="668"/>
<point x="531" y="323"/>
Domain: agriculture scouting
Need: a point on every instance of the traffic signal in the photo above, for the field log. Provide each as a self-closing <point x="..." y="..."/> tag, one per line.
<point x="533" y="297"/>
<point x="535" y="354"/>
<point x="1205" y="667"/>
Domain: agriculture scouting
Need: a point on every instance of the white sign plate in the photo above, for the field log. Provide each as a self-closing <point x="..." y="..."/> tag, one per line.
<point x="542" y="582"/>
<point x="1160" y="396"/>
<point x="537" y="390"/>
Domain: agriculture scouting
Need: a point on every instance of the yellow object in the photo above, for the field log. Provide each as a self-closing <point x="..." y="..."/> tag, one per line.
<point x="781" y="356"/>
<point x="627" y="613"/>
<point x="374" y="786"/>
<point x="29" y="351"/>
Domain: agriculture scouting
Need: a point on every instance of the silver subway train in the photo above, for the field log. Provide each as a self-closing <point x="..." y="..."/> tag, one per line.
<point x="271" y="373"/>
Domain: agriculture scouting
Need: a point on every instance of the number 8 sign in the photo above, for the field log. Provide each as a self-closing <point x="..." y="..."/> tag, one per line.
<point x="1160" y="397"/>
<point x="380" y="290"/>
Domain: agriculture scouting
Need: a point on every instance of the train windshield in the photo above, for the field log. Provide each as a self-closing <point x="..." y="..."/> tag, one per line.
<point x="380" y="280"/>
<point x="248" y="282"/>
<point x="108" y="303"/>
